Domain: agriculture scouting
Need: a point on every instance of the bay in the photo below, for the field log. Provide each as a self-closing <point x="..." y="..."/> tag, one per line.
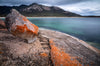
<point x="87" y="29"/>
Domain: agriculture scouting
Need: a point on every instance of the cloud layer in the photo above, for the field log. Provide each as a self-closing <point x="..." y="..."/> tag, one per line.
<point x="52" y="2"/>
<point x="83" y="7"/>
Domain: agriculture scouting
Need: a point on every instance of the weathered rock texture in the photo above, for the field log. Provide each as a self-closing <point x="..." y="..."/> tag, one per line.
<point x="51" y="48"/>
<point x="20" y="26"/>
<point x="70" y="51"/>
<point x="2" y="24"/>
<point x="15" y="51"/>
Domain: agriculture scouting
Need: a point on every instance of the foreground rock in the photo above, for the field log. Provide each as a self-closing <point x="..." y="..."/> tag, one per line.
<point x="20" y="26"/>
<point x="70" y="51"/>
<point x="15" y="51"/>
<point x="50" y="48"/>
<point x="2" y="24"/>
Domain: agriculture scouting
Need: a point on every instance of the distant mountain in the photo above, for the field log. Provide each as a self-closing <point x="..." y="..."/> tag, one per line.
<point x="37" y="10"/>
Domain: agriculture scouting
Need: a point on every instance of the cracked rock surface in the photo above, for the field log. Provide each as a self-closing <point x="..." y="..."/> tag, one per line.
<point x="15" y="51"/>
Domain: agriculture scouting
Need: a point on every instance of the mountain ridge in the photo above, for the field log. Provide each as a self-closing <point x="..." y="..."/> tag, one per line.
<point x="35" y="9"/>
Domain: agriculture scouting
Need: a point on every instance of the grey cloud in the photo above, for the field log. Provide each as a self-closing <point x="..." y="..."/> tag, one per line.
<point x="51" y="2"/>
<point x="60" y="3"/>
<point x="90" y="12"/>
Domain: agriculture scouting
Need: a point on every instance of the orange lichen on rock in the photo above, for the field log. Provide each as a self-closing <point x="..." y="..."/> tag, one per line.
<point x="43" y="54"/>
<point x="24" y="18"/>
<point x="21" y="27"/>
<point x="60" y="58"/>
<point x="36" y="29"/>
<point x="24" y="28"/>
<point x="0" y="52"/>
<point x="51" y="41"/>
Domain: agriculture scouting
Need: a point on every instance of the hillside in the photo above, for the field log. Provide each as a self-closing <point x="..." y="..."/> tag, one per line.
<point x="35" y="9"/>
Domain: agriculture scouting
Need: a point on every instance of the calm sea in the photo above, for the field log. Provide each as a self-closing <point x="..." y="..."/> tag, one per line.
<point x="87" y="29"/>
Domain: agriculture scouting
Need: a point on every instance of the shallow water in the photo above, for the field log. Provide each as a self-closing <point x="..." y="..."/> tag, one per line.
<point x="87" y="29"/>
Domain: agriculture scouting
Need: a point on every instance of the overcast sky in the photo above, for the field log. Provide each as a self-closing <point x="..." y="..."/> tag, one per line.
<point x="83" y="7"/>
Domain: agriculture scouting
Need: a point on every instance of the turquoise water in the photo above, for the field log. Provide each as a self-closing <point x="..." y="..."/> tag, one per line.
<point x="87" y="29"/>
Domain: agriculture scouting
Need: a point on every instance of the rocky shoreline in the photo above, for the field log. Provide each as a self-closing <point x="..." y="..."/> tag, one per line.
<point x="81" y="41"/>
<point x="15" y="51"/>
<point x="23" y="44"/>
